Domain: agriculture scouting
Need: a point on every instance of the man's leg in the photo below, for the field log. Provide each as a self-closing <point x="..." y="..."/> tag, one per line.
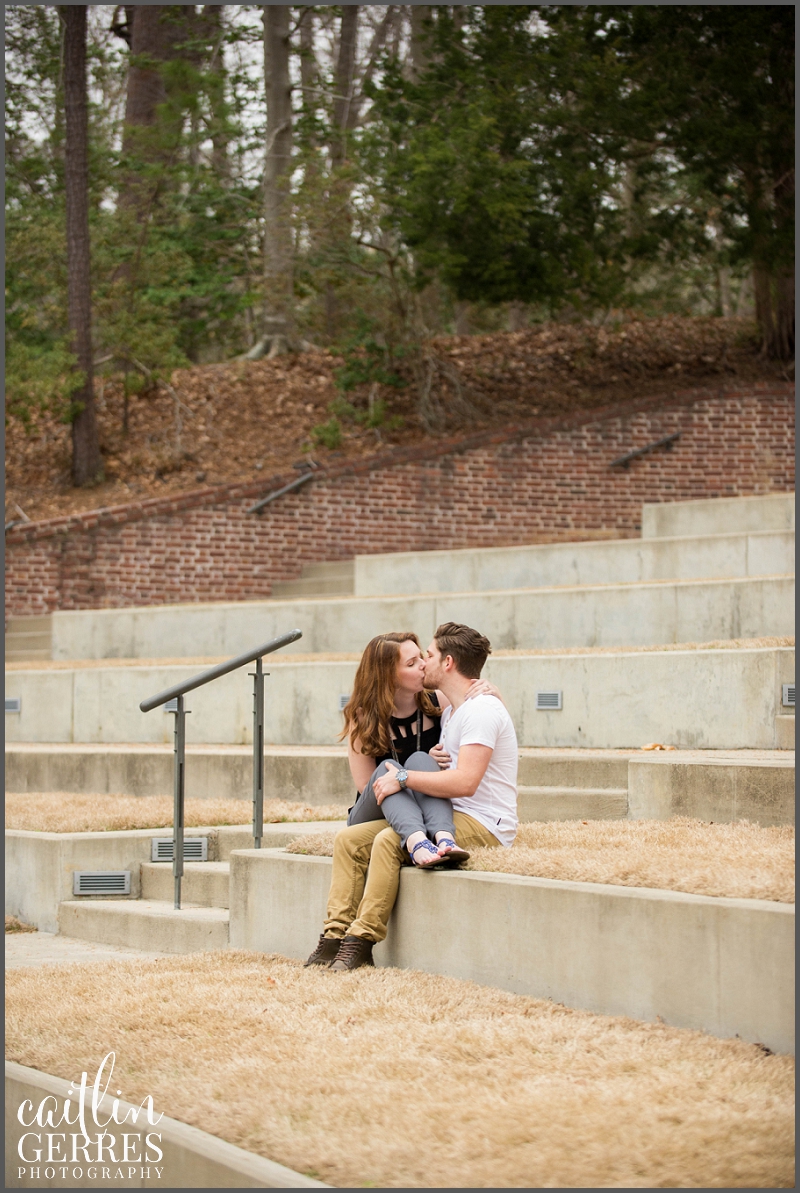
<point x="470" y="833"/>
<point x="380" y="890"/>
<point x="351" y="853"/>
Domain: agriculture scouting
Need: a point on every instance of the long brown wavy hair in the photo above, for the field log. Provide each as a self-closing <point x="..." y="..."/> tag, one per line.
<point x="368" y="711"/>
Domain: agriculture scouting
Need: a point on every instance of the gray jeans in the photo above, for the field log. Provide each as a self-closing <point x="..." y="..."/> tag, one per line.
<point x="407" y="811"/>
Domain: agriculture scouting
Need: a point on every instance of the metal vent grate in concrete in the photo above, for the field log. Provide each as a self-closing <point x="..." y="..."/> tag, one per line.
<point x="548" y="701"/>
<point x="13" y="704"/>
<point x="101" y="882"/>
<point x="788" y="695"/>
<point x="195" y="849"/>
<point x="342" y="702"/>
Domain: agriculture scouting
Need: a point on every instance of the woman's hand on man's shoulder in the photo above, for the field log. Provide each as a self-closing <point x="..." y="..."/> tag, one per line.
<point x="482" y="687"/>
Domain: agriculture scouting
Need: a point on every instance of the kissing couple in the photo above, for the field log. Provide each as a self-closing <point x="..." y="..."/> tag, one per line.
<point x="433" y="754"/>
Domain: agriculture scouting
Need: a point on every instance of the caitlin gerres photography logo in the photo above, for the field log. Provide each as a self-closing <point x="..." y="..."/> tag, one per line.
<point x="89" y="1136"/>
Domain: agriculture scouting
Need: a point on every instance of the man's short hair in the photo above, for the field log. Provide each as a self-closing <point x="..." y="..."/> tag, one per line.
<point x="468" y="649"/>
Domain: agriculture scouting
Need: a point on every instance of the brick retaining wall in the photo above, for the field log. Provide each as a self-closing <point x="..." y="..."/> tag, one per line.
<point x="535" y="482"/>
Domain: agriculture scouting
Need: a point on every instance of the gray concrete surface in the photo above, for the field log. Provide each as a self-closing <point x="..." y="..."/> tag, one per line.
<point x="39" y="866"/>
<point x="311" y="774"/>
<point x="784" y="732"/>
<point x="619" y="561"/>
<point x="692" y="699"/>
<point x="25" y="950"/>
<point x="640" y="614"/>
<point x="711" y="789"/>
<point x="192" y="1159"/>
<point x="720" y="515"/>
<point x="145" y="924"/>
<point x="725" y="966"/>
<point x="572" y="803"/>
<point x="205" y="884"/>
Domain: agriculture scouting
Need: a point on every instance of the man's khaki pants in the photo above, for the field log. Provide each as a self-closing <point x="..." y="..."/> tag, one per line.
<point x="366" y="874"/>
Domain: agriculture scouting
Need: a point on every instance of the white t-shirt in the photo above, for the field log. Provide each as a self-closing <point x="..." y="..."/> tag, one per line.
<point x="484" y="721"/>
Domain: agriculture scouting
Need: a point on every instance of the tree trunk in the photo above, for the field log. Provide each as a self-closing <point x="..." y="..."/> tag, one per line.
<point x="774" y="295"/>
<point x="377" y="43"/>
<point x="784" y="315"/>
<point x="344" y="81"/>
<point x="150" y="137"/>
<point x="308" y="59"/>
<point x="278" y="247"/>
<point x="86" y="461"/>
<point x="212" y="30"/>
<point x="420" y="56"/>
<point x="724" y="290"/>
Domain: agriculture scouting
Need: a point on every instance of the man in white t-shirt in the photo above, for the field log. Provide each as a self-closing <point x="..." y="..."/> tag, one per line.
<point x="481" y="781"/>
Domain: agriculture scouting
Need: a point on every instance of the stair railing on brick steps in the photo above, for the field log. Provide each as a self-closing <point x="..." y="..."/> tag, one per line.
<point x="173" y="701"/>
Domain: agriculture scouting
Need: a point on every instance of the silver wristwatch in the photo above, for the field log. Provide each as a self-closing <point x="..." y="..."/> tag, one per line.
<point x="402" y="777"/>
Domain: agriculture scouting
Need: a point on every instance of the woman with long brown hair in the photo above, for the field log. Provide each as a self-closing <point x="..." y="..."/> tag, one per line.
<point x="391" y="717"/>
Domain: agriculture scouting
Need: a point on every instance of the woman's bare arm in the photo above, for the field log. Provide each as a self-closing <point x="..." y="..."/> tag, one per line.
<point x="361" y="765"/>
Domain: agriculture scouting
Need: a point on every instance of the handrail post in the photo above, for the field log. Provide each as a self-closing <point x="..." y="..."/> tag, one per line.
<point x="178" y="801"/>
<point x="258" y="753"/>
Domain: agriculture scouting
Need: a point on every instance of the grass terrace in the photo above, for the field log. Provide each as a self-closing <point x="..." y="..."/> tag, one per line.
<point x="739" y="860"/>
<point x="398" y="1079"/>
<point x="66" y="812"/>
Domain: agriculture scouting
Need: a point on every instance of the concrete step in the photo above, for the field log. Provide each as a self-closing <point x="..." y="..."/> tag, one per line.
<point x="572" y="803"/>
<point x="28" y="638"/>
<point x="715" y="964"/>
<point x="709" y="698"/>
<point x="284" y="589"/>
<point x="40" y="866"/>
<point x="588" y="769"/>
<point x="641" y="613"/>
<point x="722" y="515"/>
<point x="311" y="774"/>
<point x="230" y="837"/>
<point x="26" y="654"/>
<point x="147" y="924"/>
<point x="336" y="578"/>
<point x="29" y="625"/>
<point x="205" y="884"/>
<point x="716" y="785"/>
<point x="28" y="641"/>
<point x="339" y="569"/>
<point x="609" y="561"/>
<point x="784" y="732"/>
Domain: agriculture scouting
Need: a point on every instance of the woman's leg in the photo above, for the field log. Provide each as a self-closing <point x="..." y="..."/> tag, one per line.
<point x="405" y="816"/>
<point x="437" y="813"/>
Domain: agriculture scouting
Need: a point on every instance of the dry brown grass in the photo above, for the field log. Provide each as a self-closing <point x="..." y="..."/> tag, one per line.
<point x="389" y="1078"/>
<point x="252" y="420"/>
<point x="15" y="925"/>
<point x="741" y="860"/>
<point x="66" y="812"/>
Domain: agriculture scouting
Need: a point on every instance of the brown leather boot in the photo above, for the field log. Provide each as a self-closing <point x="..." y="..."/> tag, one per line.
<point x="354" y="952"/>
<point x="325" y="952"/>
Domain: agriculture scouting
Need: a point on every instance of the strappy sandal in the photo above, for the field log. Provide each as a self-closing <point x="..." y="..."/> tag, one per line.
<point x="454" y="854"/>
<point x="429" y="849"/>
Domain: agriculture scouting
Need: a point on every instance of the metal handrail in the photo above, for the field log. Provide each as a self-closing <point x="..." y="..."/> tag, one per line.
<point x="295" y="484"/>
<point x="666" y="442"/>
<point x="197" y="681"/>
<point x="176" y="693"/>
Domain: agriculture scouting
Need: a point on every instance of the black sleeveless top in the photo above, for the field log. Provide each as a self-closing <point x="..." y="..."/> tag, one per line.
<point x="404" y="736"/>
